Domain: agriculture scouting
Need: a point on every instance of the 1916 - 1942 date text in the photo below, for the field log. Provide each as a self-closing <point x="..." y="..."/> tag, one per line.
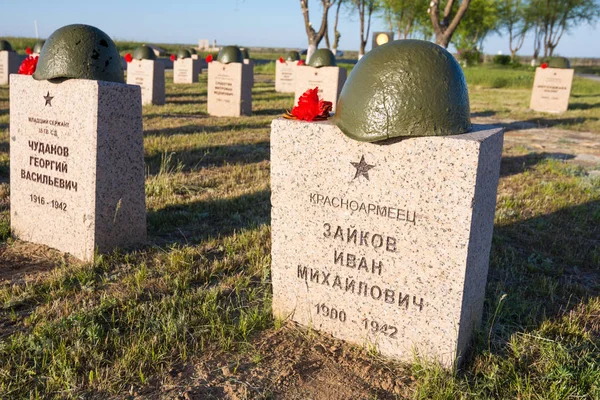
<point x="41" y="200"/>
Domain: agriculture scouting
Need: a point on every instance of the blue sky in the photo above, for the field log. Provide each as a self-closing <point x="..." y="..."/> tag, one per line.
<point x="268" y="23"/>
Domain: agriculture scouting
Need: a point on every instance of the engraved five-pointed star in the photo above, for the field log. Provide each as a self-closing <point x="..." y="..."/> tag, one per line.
<point x="362" y="168"/>
<point x="48" y="99"/>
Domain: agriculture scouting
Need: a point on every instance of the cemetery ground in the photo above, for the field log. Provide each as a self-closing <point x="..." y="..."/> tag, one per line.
<point x="189" y="315"/>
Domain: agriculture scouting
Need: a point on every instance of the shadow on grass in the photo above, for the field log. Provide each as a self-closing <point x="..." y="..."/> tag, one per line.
<point x="271" y="111"/>
<point x="194" y="222"/>
<point x="546" y="123"/>
<point x="185" y="94"/>
<point x="513" y="165"/>
<point x="185" y="101"/>
<point x="193" y="115"/>
<point x="209" y="128"/>
<point x="4" y="111"/>
<point x="212" y="155"/>
<point x="577" y="96"/>
<point x="583" y="106"/>
<point x="487" y="113"/>
<point x="546" y="265"/>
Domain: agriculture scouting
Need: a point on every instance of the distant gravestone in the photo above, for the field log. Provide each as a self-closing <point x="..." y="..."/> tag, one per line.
<point x="387" y="244"/>
<point x="330" y="81"/>
<point x="249" y="65"/>
<point x="186" y="70"/>
<point x="381" y="38"/>
<point x="551" y="89"/>
<point x="229" y="89"/>
<point x="9" y="64"/>
<point x="150" y="76"/>
<point x="77" y="157"/>
<point x="203" y="44"/>
<point x="285" y="76"/>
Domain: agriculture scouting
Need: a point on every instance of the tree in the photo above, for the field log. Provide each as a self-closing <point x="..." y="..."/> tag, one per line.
<point x="514" y="19"/>
<point x="407" y="16"/>
<point x="315" y="37"/>
<point x="336" y="33"/>
<point x="365" y="10"/>
<point x="481" y="19"/>
<point x="444" y="28"/>
<point x="553" y="18"/>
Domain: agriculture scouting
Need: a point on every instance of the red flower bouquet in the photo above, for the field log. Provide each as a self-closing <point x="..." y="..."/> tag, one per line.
<point x="28" y="66"/>
<point x="310" y="107"/>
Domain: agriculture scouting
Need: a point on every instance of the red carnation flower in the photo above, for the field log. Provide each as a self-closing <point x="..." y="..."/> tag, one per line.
<point x="173" y="57"/>
<point x="310" y="108"/>
<point x="209" y="58"/>
<point x="281" y="60"/>
<point x="128" y="58"/>
<point x="28" y="66"/>
<point x="544" y="65"/>
<point x="300" y="62"/>
<point x="28" y="50"/>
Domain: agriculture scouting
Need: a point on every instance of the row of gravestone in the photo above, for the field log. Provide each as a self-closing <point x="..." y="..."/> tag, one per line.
<point x="230" y="86"/>
<point x="382" y="214"/>
<point x="230" y="78"/>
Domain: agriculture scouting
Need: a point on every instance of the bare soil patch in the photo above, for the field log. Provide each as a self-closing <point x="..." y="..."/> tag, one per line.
<point x="292" y="363"/>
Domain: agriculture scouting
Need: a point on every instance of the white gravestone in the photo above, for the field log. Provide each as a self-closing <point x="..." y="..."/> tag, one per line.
<point x="285" y="76"/>
<point x="77" y="164"/>
<point x="150" y="76"/>
<point x="9" y="64"/>
<point x="186" y="70"/>
<point x="229" y="89"/>
<point x="330" y="81"/>
<point x="551" y="89"/>
<point x="383" y="244"/>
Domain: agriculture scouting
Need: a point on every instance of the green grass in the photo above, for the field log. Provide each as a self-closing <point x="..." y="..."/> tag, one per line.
<point x="123" y="323"/>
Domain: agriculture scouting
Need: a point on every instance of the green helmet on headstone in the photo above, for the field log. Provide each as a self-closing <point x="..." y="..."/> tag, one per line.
<point x="292" y="56"/>
<point x="5" y="45"/>
<point x="192" y="50"/>
<point x="230" y="54"/>
<point x="183" y="53"/>
<point x="322" y="58"/>
<point x="38" y="46"/>
<point x="245" y="53"/>
<point x="558" y="62"/>
<point x="79" y="52"/>
<point x="404" y="88"/>
<point x="144" y="53"/>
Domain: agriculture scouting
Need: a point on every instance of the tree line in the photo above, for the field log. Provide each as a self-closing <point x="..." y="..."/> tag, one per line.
<point x="464" y="23"/>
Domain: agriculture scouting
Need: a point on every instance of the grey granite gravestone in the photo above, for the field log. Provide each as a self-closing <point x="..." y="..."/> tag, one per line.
<point x="383" y="244"/>
<point x="77" y="164"/>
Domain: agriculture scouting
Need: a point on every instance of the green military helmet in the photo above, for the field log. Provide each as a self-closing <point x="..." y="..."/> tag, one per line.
<point x="192" y="50"/>
<point x="37" y="49"/>
<point x="183" y="53"/>
<point x="79" y="52"/>
<point x="5" y="45"/>
<point x="558" y="62"/>
<point x="144" y="53"/>
<point x="230" y="54"/>
<point x="292" y="56"/>
<point x="322" y="58"/>
<point x="401" y="89"/>
<point x="245" y="53"/>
